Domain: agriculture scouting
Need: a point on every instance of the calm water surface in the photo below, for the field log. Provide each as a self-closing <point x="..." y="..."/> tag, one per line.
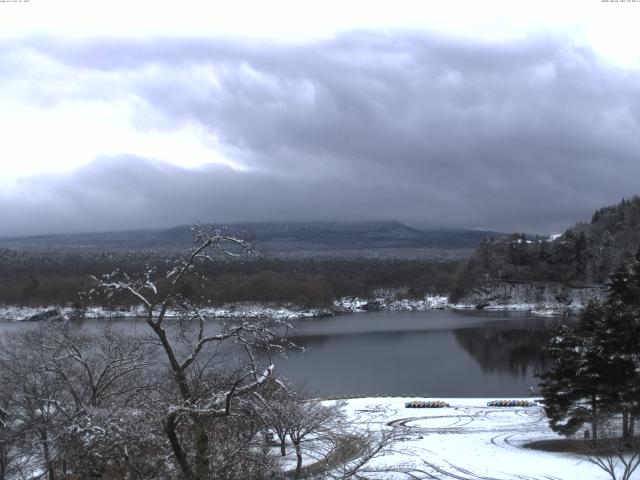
<point x="435" y="353"/>
<point x="431" y="353"/>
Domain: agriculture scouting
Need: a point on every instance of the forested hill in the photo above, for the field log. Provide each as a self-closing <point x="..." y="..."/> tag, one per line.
<point x="305" y="263"/>
<point x="387" y="239"/>
<point x="585" y="255"/>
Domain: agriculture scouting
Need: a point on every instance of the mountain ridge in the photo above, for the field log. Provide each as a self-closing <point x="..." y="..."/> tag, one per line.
<point x="272" y="237"/>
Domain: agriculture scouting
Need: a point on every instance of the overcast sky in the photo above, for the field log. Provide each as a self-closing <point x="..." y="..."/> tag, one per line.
<point x="500" y="115"/>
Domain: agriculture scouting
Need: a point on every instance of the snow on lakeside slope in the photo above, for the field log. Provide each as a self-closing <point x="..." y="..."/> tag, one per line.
<point x="292" y="312"/>
<point x="242" y="310"/>
<point x="469" y="441"/>
<point x="17" y="313"/>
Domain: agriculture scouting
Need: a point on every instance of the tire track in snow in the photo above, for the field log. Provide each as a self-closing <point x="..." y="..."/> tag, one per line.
<point x="505" y="428"/>
<point x="402" y="422"/>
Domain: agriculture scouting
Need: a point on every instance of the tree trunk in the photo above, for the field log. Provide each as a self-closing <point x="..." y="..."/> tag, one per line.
<point x="594" y="418"/>
<point x="202" y="451"/>
<point x="625" y="423"/>
<point x="632" y="425"/>
<point x="298" y="459"/>
<point x="3" y="462"/>
<point x="178" y="452"/>
<point x="51" y="474"/>
<point x="97" y="473"/>
<point x="282" y="437"/>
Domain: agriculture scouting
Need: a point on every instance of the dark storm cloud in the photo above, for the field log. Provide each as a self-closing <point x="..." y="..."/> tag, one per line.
<point x="131" y="192"/>
<point x="532" y="134"/>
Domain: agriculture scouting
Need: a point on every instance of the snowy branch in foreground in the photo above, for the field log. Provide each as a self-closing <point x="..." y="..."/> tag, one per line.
<point x="198" y="379"/>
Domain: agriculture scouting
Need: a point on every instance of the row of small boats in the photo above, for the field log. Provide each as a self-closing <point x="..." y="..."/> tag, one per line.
<point x="493" y="403"/>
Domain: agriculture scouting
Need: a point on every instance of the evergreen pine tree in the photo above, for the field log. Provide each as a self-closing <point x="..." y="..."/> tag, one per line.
<point x="596" y="365"/>
<point x="572" y="388"/>
<point x="619" y="291"/>
<point x="634" y="281"/>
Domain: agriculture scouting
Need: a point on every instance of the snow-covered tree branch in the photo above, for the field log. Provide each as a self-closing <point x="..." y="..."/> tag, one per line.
<point x="185" y="345"/>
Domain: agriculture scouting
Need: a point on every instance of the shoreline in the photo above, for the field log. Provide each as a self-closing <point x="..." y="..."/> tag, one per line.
<point x="342" y="306"/>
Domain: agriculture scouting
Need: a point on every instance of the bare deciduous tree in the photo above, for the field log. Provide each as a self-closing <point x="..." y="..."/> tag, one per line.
<point x="11" y="459"/>
<point x="119" y="443"/>
<point x="311" y="421"/>
<point x="161" y="294"/>
<point x="354" y="455"/>
<point x="274" y="411"/>
<point x="618" y="456"/>
<point x="101" y="405"/>
<point x="52" y="378"/>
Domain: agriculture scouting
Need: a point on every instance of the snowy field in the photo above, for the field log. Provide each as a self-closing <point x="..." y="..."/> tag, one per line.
<point x="470" y="441"/>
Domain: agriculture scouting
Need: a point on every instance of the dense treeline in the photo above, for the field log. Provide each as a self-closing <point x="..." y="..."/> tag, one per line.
<point x="587" y="253"/>
<point x="56" y="278"/>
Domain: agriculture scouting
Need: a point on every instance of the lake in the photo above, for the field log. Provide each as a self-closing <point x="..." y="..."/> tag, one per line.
<point x="438" y="353"/>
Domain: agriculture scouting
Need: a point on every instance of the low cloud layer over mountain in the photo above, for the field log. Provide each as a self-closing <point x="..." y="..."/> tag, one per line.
<point x="435" y="131"/>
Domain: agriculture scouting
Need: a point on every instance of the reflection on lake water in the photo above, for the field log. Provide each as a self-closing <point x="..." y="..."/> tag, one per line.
<point x="432" y="353"/>
<point x="512" y="350"/>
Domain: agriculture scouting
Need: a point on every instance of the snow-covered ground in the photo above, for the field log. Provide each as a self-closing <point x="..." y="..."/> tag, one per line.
<point x="470" y="441"/>
<point x="291" y="312"/>
<point x="538" y="309"/>
<point x="19" y="313"/>
<point x="288" y="312"/>
<point x="243" y="310"/>
<point x="350" y="304"/>
<point x="390" y="303"/>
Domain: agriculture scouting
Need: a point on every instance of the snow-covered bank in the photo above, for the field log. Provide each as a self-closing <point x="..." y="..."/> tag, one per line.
<point x="545" y="299"/>
<point x="385" y="301"/>
<point x="389" y="303"/>
<point x="538" y="309"/>
<point x="19" y="313"/>
<point x="468" y="441"/>
<point x="292" y="312"/>
<point x="549" y="309"/>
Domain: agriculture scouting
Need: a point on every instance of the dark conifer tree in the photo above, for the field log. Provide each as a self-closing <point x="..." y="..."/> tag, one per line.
<point x="596" y="365"/>
<point x="634" y="283"/>
<point x="619" y="339"/>
<point x="572" y="387"/>
<point x="619" y="291"/>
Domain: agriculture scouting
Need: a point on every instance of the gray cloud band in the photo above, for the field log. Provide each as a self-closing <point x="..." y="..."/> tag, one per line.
<point x="530" y="135"/>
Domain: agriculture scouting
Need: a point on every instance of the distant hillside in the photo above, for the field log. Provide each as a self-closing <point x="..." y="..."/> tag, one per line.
<point x="309" y="238"/>
<point x="585" y="255"/>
